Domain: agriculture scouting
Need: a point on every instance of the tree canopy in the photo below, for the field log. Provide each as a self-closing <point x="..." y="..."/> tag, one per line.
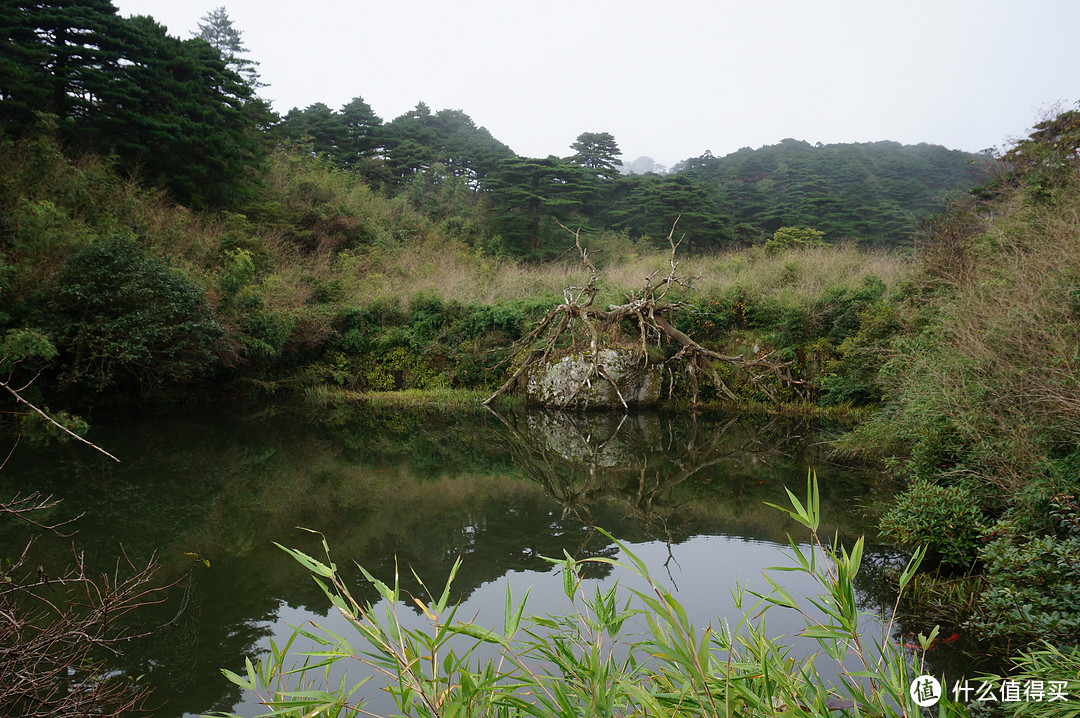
<point x="169" y="107"/>
<point x="597" y="151"/>
<point x="217" y="29"/>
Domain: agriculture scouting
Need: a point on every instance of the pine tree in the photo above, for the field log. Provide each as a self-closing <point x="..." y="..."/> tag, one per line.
<point x="218" y="30"/>
<point x="57" y="56"/>
<point x="597" y="151"/>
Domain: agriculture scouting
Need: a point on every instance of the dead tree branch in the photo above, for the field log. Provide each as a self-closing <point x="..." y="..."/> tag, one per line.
<point x="651" y="314"/>
<point x="57" y="624"/>
<point x="53" y="630"/>
<point x="19" y="398"/>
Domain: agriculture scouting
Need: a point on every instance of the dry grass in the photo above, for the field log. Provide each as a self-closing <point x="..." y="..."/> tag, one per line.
<point x="453" y="272"/>
<point x="994" y="382"/>
<point x="457" y="273"/>
<point x="402" y="254"/>
<point x="796" y="274"/>
<point x="1014" y="339"/>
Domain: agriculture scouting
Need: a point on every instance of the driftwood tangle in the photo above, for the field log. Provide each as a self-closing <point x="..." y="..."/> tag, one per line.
<point x="651" y="313"/>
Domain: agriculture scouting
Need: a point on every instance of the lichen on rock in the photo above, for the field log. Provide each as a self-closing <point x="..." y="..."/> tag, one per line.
<point x="572" y="381"/>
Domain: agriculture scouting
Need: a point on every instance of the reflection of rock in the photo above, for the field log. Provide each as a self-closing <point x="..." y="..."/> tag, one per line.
<point x="565" y="382"/>
<point x="603" y="439"/>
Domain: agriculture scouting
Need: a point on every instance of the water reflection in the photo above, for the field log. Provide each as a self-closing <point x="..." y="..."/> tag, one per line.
<point x="637" y="460"/>
<point x="415" y="490"/>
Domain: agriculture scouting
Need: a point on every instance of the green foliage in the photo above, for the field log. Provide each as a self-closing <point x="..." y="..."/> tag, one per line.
<point x="217" y="29"/>
<point x="981" y="391"/>
<point x="852" y="376"/>
<point x="126" y="319"/>
<point x="656" y="207"/>
<point x="419" y="139"/>
<point x="598" y="152"/>
<point x="237" y="273"/>
<point x="1032" y="581"/>
<point x="874" y="192"/>
<point x="397" y="368"/>
<point x="429" y="344"/>
<point x="793" y="238"/>
<point x="1046" y="160"/>
<point x="21" y="344"/>
<point x="1046" y="662"/>
<point x="36" y="431"/>
<point x="589" y="661"/>
<point x="169" y="107"/>
<point x="531" y="196"/>
<point x="265" y="333"/>
<point x="349" y="138"/>
<point x="946" y="519"/>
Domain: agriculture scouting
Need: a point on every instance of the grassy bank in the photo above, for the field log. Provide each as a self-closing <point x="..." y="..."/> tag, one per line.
<point x="321" y="285"/>
<point x="980" y="419"/>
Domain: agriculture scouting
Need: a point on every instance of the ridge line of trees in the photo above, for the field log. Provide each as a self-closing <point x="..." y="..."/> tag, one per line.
<point x="185" y="115"/>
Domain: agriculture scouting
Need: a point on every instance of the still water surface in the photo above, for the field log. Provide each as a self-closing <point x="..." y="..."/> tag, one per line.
<point x="422" y="488"/>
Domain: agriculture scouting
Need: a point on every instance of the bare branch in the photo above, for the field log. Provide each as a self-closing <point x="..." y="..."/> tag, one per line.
<point x="650" y="313"/>
<point x="42" y="414"/>
<point x="22" y="506"/>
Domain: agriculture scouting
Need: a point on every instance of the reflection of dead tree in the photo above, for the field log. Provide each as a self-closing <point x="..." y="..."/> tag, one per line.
<point x="54" y="627"/>
<point x="642" y="486"/>
<point x="650" y="314"/>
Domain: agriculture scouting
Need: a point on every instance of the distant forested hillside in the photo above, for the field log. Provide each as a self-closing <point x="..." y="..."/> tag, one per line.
<point x="184" y="115"/>
<point x="873" y="193"/>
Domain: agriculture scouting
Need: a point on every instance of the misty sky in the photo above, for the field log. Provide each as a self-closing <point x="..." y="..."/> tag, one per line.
<point x="671" y="80"/>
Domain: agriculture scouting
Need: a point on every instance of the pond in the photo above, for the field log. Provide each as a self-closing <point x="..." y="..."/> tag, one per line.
<point x="420" y="488"/>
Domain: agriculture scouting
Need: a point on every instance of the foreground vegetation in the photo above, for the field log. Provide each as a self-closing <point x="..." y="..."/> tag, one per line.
<point x="605" y="656"/>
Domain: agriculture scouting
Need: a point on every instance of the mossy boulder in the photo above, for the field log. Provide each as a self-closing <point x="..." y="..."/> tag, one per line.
<point x="569" y="381"/>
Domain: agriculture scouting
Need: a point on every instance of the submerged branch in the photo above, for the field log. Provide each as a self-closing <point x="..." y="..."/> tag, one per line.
<point x="61" y="427"/>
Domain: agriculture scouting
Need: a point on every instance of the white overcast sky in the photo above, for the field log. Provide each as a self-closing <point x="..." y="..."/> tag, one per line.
<point x="671" y="79"/>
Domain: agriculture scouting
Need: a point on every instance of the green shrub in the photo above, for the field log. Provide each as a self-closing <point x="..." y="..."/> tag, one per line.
<point x="427" y="317"/>
<point x="793" y="237"/>
<point x="852" y="376"/>
<point x="237" y="271"/>
<point x="1032" y="581"/>
<point x="946" y="519"/>
<point x="265" y="333"/>
<point x="123" y="318"/>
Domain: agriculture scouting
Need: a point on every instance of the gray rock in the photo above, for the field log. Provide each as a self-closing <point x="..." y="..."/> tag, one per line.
<point x="568" y="381"/>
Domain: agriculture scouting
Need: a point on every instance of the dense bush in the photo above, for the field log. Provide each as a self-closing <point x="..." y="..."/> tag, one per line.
<point x="128" y="320"/>
<point x="791" y="237"/>
<point x="946" y="519"/>
<point x="1032" y="581"/>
